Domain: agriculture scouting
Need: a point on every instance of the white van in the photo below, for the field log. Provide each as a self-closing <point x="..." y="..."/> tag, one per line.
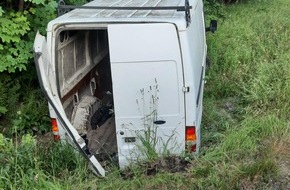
<point x="120" y="73"/>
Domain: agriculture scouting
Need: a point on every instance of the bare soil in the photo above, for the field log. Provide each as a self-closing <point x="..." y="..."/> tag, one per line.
<point x="169" y="164"/>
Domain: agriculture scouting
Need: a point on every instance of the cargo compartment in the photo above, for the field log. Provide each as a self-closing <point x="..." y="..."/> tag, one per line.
<point x="85" y="86"/>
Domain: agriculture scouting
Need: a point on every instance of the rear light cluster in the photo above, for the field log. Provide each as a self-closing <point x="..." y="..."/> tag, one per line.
<point x="190" y="139"/>
<point x="54" y="128"/>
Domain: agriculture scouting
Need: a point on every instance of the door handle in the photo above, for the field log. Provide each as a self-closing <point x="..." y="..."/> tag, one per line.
<point x="159" y="122"/>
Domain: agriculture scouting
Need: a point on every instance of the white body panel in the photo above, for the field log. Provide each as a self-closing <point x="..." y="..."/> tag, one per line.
<point x="147" y="81"/>
<point x="194" y="59"/>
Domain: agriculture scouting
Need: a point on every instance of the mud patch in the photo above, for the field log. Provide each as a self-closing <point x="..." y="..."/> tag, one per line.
<point x="282" y="152"/>
<point x="278" y="151"/>
<point x="169" y="164"/>
<point x="44" y="139"/>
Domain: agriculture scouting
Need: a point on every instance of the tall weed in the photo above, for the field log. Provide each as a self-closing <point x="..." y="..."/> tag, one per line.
<point x="24" y="164"/>
<point x="249" y="78"/>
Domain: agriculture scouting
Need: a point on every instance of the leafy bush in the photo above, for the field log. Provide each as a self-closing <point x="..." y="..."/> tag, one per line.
<point x="15" y="52"/>
<point x="19" y="22"/>
<point x="17" y="30"/>
<point x="24" y="109"/>
<point x="32" y="117"/>
<point x="230" y="1"/>
<point x="213" y="9"/>
<point x="9" y="97"/>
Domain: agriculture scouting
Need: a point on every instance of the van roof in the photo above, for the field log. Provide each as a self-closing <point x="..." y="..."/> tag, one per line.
<point x="124" y="16"/>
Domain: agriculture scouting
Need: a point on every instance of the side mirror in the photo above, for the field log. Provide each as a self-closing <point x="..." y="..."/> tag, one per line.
<point x="212" y="26"/>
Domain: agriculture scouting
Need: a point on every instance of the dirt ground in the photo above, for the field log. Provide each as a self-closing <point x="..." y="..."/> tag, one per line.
<point x="170" y="164"/>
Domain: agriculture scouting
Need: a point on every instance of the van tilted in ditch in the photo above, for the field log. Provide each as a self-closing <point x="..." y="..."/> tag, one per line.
<point x="120" y="75"/>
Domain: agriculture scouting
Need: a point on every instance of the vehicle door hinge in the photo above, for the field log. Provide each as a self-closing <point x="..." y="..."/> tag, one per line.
<point x="185" y="89"/>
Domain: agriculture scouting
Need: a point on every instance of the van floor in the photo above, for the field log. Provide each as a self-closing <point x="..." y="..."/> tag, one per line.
<point x="102" y="141"/>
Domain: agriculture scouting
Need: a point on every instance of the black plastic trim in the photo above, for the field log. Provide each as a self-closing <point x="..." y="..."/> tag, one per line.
<point x="200" y="86"/>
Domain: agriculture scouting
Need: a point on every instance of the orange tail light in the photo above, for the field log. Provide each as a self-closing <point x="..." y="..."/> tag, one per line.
<point x="190" y="138"/>
<point x="54" y="128"/>
<point x="190" y="134"/>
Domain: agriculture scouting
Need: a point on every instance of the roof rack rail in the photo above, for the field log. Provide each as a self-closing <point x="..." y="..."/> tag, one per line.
<point x="63" y="8"/>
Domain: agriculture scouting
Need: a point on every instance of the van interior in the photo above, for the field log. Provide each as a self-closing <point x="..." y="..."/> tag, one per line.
<point x="85" y="87"/>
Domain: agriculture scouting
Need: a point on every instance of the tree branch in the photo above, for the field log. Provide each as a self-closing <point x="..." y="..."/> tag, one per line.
<point x="21" y="5"/>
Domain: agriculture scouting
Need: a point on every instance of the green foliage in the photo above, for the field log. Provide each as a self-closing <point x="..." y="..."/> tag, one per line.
<point x="33" y="116"/>
<point x="75" y="2"/>
<point x="38" y="20"/>
<point x="3" y="109"/>
<point x="246" y="97"/>
<point x="1" y="11"/>
<point x="256" y="69"/>
<point x="18" y="28"/>
<point x="213" y="9"/>
<point x="14" y="51"/>
<point x="9" y="96"/>
<point x="26" y="163"/>
<point x="37" y="2"/>
<point x="17" y="32"/>
<point x="25" y="108"/>
<point x="17" y="94"/>
<point x="149" y="142"/>
<point x="231" y="1"/>
<point x="151" y="145"/>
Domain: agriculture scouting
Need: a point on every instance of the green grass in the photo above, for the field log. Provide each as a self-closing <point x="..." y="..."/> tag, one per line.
<point x="245" y="127"/>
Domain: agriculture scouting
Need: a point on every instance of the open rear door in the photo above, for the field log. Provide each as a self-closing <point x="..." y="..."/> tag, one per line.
<point x="148" y="92"/>
<point x="45" y="77"/>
